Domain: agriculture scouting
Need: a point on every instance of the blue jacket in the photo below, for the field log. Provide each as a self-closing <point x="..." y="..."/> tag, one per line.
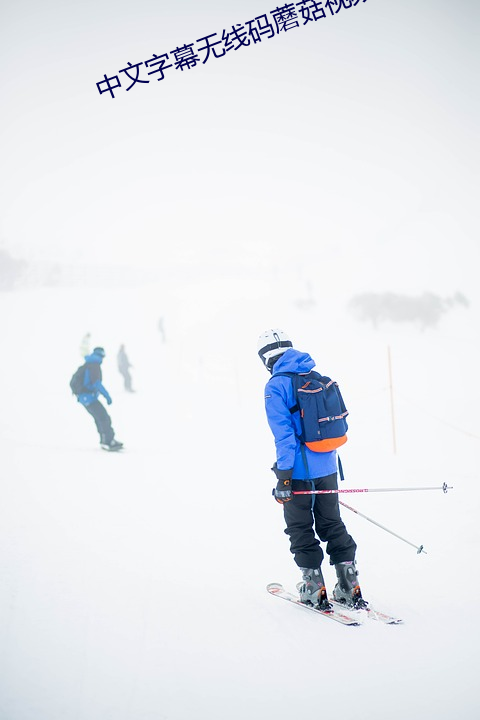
<point x="93" y="381"/>
<point x="285" y="426"/>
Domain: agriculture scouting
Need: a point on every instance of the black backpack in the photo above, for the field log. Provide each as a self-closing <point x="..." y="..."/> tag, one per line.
<point x="77" y="382"/>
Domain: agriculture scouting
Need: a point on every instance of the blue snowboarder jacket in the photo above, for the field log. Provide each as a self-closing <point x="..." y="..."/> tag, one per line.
<point x="93" y="381"/>
<point x="286" y="427"/>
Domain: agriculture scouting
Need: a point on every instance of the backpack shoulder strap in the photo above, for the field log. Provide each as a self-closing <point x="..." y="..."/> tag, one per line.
<point x="293" y="377"/>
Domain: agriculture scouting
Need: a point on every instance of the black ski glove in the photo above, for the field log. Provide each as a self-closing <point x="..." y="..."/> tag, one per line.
<point x="283" y="492"/>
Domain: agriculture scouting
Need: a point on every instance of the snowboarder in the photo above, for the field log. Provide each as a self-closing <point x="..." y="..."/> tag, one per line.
<point x="88" y="397"/>
<point x="123" y="364"/>
<point x="308" y="518"/>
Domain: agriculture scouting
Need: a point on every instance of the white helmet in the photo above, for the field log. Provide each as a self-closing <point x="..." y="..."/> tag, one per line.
<point x="271" y="344"/>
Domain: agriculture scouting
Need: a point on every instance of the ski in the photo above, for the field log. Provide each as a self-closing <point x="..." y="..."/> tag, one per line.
<point x="336" y="613"/>
<point x="371" y="613"/>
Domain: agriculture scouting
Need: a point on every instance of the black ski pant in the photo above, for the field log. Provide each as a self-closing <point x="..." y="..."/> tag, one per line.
<point x="102" y="421"/>
<point x="310" y="517"/>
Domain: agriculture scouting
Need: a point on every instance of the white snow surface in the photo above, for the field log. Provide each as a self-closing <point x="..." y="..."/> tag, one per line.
<point x="133" y="584"/>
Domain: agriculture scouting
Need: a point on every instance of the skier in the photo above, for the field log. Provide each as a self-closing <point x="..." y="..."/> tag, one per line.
<point x="123" y="364"/>
<point x="88" y="397"/>
<point x="85" y="345"/>
<point x="308" y="518"/>
<point x="161" y="329"/>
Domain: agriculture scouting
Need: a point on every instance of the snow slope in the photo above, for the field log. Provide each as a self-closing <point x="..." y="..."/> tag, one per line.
<point x="133" y="585"/>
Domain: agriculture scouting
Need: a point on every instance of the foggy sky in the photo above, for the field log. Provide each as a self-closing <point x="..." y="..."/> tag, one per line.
<point x="352" y="137"/>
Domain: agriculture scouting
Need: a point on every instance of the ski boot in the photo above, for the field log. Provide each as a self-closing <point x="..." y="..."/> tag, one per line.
<point x="312" y="589"/>
<point x="347" y="590"/>
<point x="112" y="446"/>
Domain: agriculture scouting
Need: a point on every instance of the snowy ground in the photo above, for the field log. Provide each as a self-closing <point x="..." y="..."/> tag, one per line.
<point x="116" y="569"/>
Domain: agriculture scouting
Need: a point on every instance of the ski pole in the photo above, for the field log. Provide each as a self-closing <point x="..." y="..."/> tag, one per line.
<point x="419" y="548"/>
<point x="443" y="487"/>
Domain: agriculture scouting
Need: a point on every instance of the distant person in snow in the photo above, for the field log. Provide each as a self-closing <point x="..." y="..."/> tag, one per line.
<point x="87" y="385"/>
<point x="124" y="366"/>
<point x="161" y="329"/>
<point x="85" y="345"/>
<point x="307" y="466"/>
